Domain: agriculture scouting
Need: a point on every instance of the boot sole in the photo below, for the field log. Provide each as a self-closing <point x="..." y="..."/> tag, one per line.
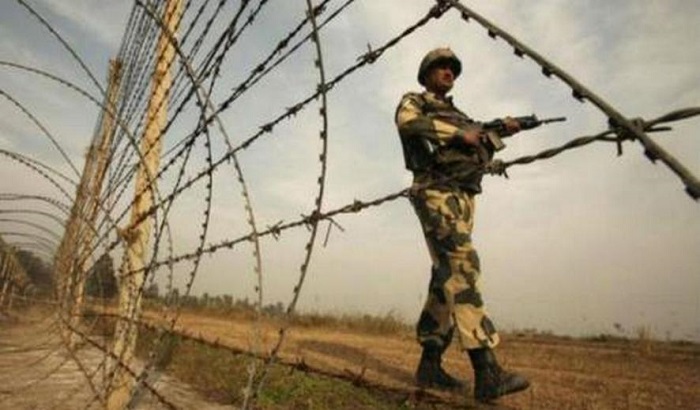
<point x="487" y="400"/>
<point x="432" y="385"/>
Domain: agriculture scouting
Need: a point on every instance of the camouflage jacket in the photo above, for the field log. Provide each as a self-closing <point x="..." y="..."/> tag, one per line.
<point x="430" y="129"/>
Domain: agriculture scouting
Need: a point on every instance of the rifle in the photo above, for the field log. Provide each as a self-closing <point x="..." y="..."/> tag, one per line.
<point x="496" y="129"/>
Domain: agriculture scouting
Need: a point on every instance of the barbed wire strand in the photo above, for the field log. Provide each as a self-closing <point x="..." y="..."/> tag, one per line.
<point x="191" y="84"/>
<point x="323" y="112"/>
<point x="580" y="92"/>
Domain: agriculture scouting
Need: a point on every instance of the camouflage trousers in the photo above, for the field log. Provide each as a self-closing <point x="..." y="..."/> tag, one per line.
<point x="454" y="296"/>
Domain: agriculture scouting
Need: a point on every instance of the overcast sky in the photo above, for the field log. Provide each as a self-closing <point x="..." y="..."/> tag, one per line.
<point x="574" y="244"/>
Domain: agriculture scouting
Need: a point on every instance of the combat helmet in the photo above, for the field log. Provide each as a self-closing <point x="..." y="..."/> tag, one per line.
<point x="439" y="54"/>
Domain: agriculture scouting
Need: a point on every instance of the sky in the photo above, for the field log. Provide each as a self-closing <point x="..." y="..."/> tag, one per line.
<point x="582" y="244"/>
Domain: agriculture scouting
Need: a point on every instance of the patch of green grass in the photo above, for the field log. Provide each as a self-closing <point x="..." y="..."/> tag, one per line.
<point x="221" y="376"/>
<point x="286" y="390"/>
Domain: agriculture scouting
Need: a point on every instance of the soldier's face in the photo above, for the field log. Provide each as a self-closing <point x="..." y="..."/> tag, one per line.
<point x="440" y="78"/>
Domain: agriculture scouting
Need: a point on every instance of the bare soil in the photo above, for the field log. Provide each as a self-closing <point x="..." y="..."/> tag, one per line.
<point x="37" y="373"/>
<point x="565" y="373"/>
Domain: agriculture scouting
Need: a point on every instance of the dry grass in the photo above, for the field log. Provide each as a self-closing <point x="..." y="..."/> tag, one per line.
<point x="601" y="372"/>
<point x="388" y="323"/>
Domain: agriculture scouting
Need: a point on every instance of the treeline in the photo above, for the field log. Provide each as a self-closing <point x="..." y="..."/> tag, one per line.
<point x="40" y="273"/>
<point x="102" y="284"/>
<point x="205" y="301"/>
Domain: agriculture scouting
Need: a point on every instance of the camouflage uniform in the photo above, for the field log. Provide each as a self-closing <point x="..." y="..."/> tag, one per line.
<point x="427" y="126"/>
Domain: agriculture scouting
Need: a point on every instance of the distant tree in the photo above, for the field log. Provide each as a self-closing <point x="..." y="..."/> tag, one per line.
<point x="101" y="281"/>
<point x="40" y="273"/>
<point x="217" y="301"/>
<point x="244" y="304"/>
<point x="173" y="296"/>
<point x="151" y="291"/>
<point x="190" y="300"/>
<point x="276" y="309"/>
<point x="228" y="301"/>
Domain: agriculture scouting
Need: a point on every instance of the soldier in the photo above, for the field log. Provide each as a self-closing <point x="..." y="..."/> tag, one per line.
<point x="445" y="150"/>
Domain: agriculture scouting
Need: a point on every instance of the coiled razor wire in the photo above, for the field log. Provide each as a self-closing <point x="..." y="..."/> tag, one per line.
<point x="580" y="92"/>
<point x="196" y="82"/>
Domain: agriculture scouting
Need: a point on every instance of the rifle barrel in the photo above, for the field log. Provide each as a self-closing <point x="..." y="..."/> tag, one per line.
<point x="556" y="119"/>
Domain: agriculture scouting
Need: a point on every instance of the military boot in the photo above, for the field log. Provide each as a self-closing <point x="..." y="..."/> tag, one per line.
<point x="430" y="373"/>
<point x="490" y="380"/>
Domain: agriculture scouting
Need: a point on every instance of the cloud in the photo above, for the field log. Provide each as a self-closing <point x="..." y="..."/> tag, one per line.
<point x="574" y="226"/>
<point x="102" y="21"/>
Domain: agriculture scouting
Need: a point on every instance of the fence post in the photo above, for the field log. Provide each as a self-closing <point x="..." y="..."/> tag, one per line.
<point x="137" y="235"/>
<point x="91" y="182"/>
<point x="4" y="274"/>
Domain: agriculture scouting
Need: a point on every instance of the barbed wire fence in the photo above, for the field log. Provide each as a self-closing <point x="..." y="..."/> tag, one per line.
<point x="166" y="78"/>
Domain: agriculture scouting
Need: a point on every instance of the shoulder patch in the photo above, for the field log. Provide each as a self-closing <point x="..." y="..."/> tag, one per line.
<point x="407" y="103"/>
<point x="416" y="98"/>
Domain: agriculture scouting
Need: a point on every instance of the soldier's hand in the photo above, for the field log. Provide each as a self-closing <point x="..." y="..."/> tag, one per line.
<point x="472" y="136"/>
<point x="512" y="125"/>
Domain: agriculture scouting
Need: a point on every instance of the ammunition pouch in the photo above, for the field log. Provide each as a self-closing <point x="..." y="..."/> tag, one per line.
<point x="456" y="167"/>
<point x="457" y="163"/>
<point x="493" y="141"/>
<point x="417" y="153"/>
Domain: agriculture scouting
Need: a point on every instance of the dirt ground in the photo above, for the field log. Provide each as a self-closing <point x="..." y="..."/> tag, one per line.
<point x="565" y="374"/>
<point x="36" y="373"/>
